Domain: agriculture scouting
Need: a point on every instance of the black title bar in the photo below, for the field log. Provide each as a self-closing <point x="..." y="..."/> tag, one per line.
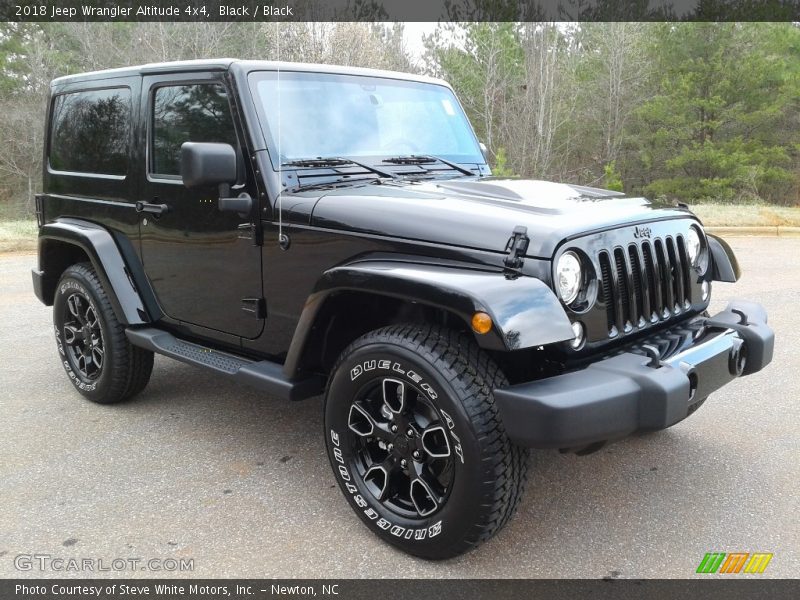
<point x="708" y="588"/>
<point x="400" y="10"/>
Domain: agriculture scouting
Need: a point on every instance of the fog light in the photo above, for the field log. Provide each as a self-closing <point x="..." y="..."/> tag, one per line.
<point x="577" y="329"/>
<point x="481" y="323"/>
<point x="704" y="290"/>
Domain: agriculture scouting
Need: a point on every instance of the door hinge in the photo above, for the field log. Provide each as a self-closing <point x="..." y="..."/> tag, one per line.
<point x="516" y="247"/>
<point x="255" y="306"/>
<point x="250" y="231"/>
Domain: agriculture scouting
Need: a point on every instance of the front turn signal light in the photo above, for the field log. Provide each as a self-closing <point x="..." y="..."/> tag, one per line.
<point x="481" y="323"/>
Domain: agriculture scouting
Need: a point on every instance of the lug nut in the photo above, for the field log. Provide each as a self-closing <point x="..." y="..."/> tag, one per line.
<point x="404" y="463"/>
<point x="416" y="455"/>
<point x="394" y="428"/>
<point x="390" y="447"/>
<point x="410" y="432"/>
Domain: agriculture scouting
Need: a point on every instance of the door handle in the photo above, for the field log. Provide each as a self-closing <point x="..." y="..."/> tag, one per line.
<point x="153" y="209"/>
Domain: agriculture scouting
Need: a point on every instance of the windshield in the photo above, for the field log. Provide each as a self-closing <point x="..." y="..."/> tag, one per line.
<point x="327" y="115"/>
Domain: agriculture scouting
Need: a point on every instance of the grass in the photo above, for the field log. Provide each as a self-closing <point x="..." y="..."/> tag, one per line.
<point x="726" y="215"/>
<point x="18" y="235"/>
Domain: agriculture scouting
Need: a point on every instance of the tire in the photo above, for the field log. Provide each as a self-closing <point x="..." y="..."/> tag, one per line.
<point x="100" y="362"/>
<point x="467" y="478"/>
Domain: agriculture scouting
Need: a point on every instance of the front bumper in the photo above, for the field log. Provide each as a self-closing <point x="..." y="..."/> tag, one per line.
<point x="630" y="392"/>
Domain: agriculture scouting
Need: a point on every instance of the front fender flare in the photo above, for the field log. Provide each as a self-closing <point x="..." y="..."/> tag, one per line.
<point x="524" y="311"/>
<point x="725" y="266"/>
<point x="107" y="259"/>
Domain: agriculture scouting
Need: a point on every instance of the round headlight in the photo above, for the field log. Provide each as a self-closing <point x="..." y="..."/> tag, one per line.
<point x="568" y="276"/>
<point x="695" y="249"/>
<point x="693" y="245"/>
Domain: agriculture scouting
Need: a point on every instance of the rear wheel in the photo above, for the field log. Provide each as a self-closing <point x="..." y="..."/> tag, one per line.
<point x="99" y="360"/>
<point x="416" y="443"/>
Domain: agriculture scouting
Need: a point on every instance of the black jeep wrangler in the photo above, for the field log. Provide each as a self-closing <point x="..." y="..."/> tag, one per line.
<point x="311" y="230"/>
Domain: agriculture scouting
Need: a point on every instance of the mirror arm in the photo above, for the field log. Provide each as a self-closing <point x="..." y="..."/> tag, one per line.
<point x="243" y="204"/>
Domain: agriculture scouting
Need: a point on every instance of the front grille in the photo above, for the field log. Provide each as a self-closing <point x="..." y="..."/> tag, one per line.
<point x="667" y="342"/>
<point x="647" y="282"/>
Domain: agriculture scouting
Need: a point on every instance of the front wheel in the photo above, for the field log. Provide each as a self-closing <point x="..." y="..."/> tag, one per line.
<point x="416" y="443"/>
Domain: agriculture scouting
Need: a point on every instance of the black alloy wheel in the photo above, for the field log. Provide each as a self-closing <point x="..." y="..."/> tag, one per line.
<point x="83" y="337"/>
<point x="403" y="449"/>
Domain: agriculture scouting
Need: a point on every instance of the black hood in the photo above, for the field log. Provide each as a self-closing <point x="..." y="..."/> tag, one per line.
<point x="482" y="213"/>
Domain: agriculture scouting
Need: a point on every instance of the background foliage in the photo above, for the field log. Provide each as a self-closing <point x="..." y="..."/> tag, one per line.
<point x="685" y="111"/>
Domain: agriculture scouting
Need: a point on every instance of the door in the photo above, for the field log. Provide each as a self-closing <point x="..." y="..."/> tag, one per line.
<point x="202" y="263"/>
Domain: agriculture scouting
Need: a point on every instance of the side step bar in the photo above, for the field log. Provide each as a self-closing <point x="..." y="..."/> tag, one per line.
<point x="264" y="375"/>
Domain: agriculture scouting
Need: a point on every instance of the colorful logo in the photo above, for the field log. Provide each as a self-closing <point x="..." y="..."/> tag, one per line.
<point x="734" y="562"/>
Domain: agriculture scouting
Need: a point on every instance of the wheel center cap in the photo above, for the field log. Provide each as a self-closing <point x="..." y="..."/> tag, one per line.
<point x="402" y="444"/>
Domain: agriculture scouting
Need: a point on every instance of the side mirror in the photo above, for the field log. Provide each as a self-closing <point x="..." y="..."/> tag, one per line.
<point x="484" y="151"/>
<point x="205" y="164"/>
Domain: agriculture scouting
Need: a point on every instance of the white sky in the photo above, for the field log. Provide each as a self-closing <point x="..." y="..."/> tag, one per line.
<point x="412" y="36"/>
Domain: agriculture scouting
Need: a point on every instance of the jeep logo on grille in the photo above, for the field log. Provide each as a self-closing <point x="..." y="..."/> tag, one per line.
<point x="641" y="232"/>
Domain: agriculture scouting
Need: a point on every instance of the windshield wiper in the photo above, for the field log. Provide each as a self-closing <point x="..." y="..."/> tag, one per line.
<point x="423" y="159"/>
<point x="334" y="161"/>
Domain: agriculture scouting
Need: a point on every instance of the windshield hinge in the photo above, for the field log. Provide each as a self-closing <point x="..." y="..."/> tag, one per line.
<point x="516" y="247"/>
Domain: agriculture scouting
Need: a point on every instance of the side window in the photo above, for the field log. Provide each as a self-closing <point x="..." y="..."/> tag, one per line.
<point x="187" y="113"/>
<point x="90" y="131"/>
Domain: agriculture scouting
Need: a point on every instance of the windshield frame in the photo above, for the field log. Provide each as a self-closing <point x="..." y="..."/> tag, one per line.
<point x="254" y="77"/>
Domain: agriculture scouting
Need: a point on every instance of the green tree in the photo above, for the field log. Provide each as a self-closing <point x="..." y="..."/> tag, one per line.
<point x="712" y="127"/>
<point x="612" y="179"/>
<point x="484" y="62"/>
<point x="501" y="168"/>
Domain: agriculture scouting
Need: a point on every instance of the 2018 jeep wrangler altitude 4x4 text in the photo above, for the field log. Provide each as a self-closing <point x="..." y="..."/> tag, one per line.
<point x="310" y="229"/>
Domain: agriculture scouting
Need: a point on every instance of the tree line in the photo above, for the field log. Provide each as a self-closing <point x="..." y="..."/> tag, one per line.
<point x="682" y="111"/>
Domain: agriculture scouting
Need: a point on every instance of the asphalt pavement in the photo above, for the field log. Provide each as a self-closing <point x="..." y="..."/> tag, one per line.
<point x="237" y="484"/>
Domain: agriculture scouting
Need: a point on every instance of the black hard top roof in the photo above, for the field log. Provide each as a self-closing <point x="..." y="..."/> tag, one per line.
<point x="223" y="64"/>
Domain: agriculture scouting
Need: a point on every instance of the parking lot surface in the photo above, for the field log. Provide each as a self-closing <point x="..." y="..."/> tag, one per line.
<point x="198" y="468"/>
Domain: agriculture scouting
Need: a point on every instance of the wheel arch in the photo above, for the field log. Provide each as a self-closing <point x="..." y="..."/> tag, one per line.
<point x="65" y="242"/>
<point x="352" y="299"/>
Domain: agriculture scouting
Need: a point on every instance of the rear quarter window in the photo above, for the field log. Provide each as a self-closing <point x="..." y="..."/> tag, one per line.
<point x="90" y="132"/>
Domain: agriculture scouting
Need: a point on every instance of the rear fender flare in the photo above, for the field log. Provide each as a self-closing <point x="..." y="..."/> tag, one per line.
<point x="119" y="279"/>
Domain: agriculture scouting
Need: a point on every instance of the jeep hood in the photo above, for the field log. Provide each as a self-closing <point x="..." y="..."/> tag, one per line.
<point x="481" y="214"/>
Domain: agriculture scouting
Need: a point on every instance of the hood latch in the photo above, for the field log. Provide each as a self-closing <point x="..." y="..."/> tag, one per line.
<point x="516" y="247"/>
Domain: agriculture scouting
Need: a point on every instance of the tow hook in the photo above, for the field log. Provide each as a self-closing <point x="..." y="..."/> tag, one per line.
<point x="653" y="354"/>
<point x="742" y="317"/>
